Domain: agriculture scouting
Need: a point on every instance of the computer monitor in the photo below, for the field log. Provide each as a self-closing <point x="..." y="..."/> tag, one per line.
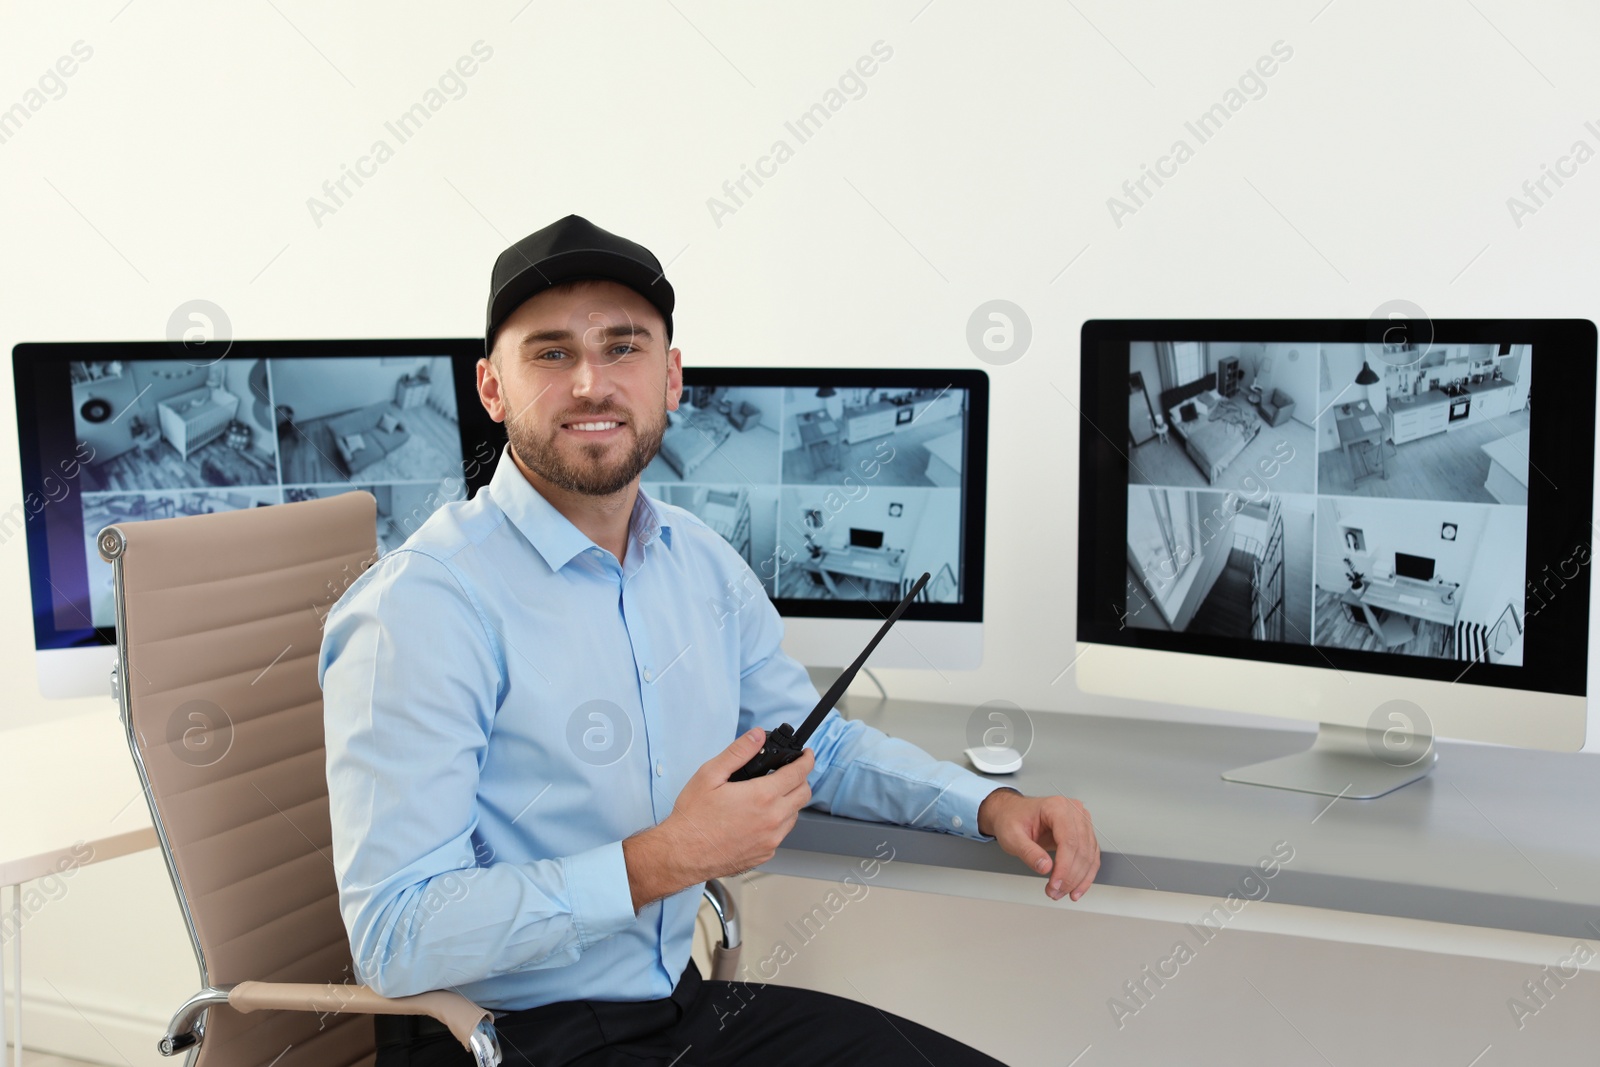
<point x="1419" y="568"/>
<point x="1246" y="487"/>
<point x="122" y="431"/>
<point x="801" y="467"/>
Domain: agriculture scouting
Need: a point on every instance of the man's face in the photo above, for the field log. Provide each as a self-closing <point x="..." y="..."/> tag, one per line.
<point x="583" y="380"/>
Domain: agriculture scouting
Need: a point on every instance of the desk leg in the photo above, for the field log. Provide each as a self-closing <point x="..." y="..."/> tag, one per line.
<point x="827" y="580"/>
<point x="16" y="932"/>
<point x="16" y="972"/>
<point x="817" y="453"/>
<point x="1372" y="624"/>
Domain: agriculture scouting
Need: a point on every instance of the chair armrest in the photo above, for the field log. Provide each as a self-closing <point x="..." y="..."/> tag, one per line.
<point x="472" y="1026"/>
<point x="185" y="1030"/>
<point x="724" y="956"/>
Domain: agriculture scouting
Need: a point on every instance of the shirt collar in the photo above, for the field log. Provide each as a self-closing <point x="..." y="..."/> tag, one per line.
<point x="551" y="533"/>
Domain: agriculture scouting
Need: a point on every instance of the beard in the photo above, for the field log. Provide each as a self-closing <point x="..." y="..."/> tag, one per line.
<point x="591" y="475"/>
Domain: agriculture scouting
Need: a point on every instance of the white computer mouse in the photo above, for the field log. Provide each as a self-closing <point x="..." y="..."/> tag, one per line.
<point x="995" y="760"/>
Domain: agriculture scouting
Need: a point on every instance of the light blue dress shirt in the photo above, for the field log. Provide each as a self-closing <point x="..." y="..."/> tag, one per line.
<point x="505" y="703"/>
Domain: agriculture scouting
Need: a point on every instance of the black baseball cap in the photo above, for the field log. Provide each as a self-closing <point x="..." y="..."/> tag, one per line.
<point x="569" y="250"/>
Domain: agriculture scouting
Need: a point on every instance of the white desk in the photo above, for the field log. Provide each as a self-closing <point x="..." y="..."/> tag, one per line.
<point x="1423" y="868"/>
<point x="69" y="796"/>
<point x="1431" y="601"/>
<point x="853" y="561"/>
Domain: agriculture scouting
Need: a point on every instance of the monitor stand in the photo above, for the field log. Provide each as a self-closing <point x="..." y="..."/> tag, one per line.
<point x="1346" y="761"/>
<point x="824" y="677"/>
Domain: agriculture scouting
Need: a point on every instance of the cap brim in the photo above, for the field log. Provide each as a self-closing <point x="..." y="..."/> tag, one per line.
<point x="578" y="264"/>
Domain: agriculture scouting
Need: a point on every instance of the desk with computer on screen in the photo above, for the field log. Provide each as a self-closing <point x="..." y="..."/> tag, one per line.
<point x="864" y="565"/>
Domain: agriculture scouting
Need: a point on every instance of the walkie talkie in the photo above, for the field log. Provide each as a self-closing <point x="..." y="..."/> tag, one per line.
<point x="785" y="744"/>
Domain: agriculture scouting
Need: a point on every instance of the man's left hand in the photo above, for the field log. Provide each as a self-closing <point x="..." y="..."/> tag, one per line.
<point x="1030" y="828"/>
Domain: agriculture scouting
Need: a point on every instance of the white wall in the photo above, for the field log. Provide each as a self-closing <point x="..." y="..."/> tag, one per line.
<point x="937" y="540"/>
<point x="1498" y="567"/>
<point x="1343" y="363"/>
<point x="977" y="163"/>
<point x="1294" y="371"/>
<point x="316" y="389"/>
<point x="1142" y="359"/>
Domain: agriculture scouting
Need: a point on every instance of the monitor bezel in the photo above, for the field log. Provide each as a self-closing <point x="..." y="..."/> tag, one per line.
<point x="974" y="471"/>
<point x="482" y="441"/>
<point x="34" y="362"/>
<point x="1568" y="413"/>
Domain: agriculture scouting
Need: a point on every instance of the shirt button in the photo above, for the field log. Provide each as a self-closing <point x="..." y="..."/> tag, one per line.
<point x="955" y="820"/>
<point x="659" y="771"/>
<point x="647" y="675"/>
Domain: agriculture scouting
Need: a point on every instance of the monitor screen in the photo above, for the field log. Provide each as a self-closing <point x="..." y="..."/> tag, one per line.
<point x="781" y="462"/>
<point x="799" y="468"/>
<point x="1301" y="492"/>
<point x="120" y="432"/>
<point x="866" y="538"/>
<point x="1419" y="568"/>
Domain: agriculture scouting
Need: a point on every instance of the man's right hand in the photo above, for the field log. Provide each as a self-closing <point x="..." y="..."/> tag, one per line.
<point x="718" y="828"/>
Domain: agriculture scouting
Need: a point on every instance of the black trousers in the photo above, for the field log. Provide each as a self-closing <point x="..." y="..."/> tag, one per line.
<point x="703" y="1024"/>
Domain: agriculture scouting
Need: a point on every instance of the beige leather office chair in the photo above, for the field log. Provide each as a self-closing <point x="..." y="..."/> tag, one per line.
<point x="219" y="625"/>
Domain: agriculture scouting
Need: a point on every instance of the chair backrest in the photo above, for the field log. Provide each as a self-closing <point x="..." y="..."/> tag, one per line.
<point x="219" y="630"/>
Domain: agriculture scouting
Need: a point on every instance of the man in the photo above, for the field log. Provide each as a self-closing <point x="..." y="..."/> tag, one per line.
<point x="532" y="719"/>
